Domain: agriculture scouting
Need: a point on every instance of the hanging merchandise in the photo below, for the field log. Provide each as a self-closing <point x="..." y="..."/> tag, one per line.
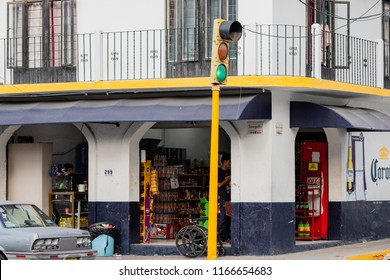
<point x="149" y="187"/>
<point x="154" y="182"/>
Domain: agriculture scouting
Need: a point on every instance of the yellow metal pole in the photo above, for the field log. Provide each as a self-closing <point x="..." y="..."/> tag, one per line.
<point x="213" y="188"/>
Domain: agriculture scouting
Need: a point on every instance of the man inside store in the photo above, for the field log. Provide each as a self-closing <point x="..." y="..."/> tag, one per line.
<point x="68" y="171"/>
<point x="224" y="198"/>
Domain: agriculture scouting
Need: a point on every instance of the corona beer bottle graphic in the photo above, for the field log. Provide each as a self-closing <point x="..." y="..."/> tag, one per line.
<point x="350" y="171"/>
<point x="359" y="167"/>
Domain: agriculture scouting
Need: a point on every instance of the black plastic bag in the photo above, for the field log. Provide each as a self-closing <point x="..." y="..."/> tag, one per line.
<point x="102" y="228"/>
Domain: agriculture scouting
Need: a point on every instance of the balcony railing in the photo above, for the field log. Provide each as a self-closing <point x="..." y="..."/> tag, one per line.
<point x="264" y="50"/>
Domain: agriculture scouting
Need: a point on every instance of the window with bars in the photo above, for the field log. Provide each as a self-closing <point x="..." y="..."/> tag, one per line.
<point x="334" y="17"/>
<point x="41" y="33"/>
<point x="386" y="37"/>
<point x="190" y="24"/>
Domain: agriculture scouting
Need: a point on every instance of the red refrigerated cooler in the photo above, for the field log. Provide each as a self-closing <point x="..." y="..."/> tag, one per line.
<point x="312" y="192"/>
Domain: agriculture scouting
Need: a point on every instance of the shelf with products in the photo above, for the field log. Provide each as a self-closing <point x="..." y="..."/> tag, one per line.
<point x="165" y="205"/>
<point x="308" y="209"/>
<point x="192" y="187"/>
<point x="69" y="209"/>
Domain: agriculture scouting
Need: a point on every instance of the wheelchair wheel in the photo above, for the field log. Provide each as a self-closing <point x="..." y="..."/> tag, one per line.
<point x="220" y="251"/>
<point x="191" y="241"/>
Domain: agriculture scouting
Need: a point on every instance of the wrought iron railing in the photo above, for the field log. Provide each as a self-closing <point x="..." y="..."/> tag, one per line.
<point x="386" y="71"/>
<point x="264" y="50"/>
<point x="280" y="50"/>
<point x="352" y="60"/>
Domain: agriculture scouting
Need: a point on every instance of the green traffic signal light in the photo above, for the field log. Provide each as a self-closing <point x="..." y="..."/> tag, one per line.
<point x="221" y="73"/>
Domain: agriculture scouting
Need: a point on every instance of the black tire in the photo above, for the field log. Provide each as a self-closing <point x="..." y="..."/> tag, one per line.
<point x="221" y="251"/>
<point x="191" y="241"/>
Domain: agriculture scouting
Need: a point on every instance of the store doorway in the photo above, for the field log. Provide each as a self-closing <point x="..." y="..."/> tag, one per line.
<point x="47" y="161"/>
<point x="311" y="191"/>
<point x="179" y="153"/>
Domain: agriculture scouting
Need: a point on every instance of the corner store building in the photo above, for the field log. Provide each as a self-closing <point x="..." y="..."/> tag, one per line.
<point x="263" y="158"/>
<point x="263" y="170"/>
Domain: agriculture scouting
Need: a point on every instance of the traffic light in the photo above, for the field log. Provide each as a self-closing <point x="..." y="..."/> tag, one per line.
<point x="223" y="33"/>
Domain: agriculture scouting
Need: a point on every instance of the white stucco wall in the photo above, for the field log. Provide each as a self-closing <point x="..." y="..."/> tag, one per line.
<point x="283" y="149"/>
<point x="120" y="15"/>
<point x="109" y="172"/>
<point x="3" y="19"/>
<point x="254" y="11"/>
<point x="254" y="164"/>
<point x="368" y="28"/>
<point x="295" y="14"/>
<point x="123" y="15"/>
<point x="337" y="163"/>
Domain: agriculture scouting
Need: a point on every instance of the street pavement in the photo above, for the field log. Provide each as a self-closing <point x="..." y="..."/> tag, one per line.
<point x="371" y="250"/>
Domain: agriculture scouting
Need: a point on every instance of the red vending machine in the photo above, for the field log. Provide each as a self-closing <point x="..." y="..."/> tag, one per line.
<point x="312" y="192"/>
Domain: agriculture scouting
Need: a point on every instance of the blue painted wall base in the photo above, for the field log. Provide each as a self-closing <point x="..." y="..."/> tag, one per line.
<point x="257" y="228"/>
<point x="123" y="215"/>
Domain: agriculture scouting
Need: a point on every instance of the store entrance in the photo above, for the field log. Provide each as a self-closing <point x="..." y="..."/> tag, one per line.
<point x="178" y="157"/>
<point x="311" y="191"/>
<point x="47" y="165"/>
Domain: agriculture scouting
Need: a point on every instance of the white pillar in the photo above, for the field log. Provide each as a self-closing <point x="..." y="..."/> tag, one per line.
<point x="380" y="75"/>
<point x="316" y="32"/>
<point x="5" y="135"/>
<point x="98" y="56"/>
<point x="132" y="139"/>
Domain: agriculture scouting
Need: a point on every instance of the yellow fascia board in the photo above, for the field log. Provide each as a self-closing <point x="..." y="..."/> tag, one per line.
<point x="104" y="85"/>
<point x="305" y="83"/>
<point x="267" y="82"/>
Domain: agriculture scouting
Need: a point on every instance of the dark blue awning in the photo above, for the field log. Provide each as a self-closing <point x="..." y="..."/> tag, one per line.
<point x="133" y="110"/>
<point x="311" y="115"/>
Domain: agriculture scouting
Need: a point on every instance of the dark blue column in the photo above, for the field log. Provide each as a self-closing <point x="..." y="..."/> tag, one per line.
<point x="263" y="228"/>
<point x="354" y="221"/>
<point x="123" y="215"/>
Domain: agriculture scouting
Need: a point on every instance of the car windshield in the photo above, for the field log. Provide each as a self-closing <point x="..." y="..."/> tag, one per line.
<point x="23" y="215"/>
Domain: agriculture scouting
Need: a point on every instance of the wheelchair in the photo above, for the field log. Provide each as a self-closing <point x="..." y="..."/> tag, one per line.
<point x="191" y="240"/>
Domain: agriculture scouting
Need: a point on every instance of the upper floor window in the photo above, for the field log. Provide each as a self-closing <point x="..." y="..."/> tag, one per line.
<point x="190" y="24"/>
<point x="334" y="17"/>
<point x="386" y="39"/>
<point x="386" y="22"/>
<point x="41" y="33"/>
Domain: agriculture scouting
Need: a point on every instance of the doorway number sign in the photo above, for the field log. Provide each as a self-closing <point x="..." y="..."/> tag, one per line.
<point x="108" y="172"/>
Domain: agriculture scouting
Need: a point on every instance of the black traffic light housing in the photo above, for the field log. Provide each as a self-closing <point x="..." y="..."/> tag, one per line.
<point x="223" y="33"/>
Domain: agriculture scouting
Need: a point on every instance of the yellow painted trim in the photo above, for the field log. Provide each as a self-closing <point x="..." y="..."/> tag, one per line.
<point x="105" y="85"/>
<point x="267" y="82"/>
<point x="372" y="256"/>
<point x="305" y="83"/>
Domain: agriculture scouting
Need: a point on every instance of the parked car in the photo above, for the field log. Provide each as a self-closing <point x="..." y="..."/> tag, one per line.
<point x="26" y="232"/>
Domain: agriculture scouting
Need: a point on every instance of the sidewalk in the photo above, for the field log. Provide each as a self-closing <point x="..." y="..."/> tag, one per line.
<point x="372" y="250"/>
